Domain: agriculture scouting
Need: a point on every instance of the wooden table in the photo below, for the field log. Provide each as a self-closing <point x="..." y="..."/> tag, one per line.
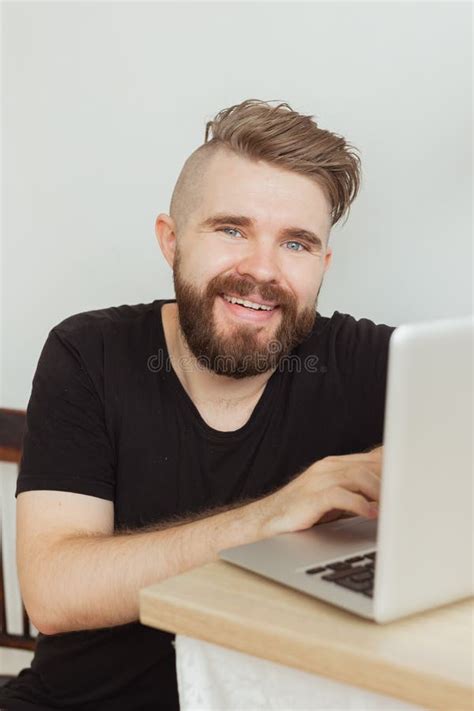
<point x="424" y="659"/>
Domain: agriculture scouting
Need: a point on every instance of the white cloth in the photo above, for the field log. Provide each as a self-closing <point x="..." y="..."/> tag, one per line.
<point x="214" y="678"/>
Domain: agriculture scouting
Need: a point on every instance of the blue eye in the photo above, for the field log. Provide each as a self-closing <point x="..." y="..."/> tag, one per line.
<point x="299" y="245"/>
<point x="230" y="228"/>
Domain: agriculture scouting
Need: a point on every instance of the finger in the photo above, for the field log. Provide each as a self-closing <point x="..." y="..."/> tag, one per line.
<point x="332" y="515"/>
<point x="338" y="498"/>
<point x="335" y="515"/>
<point x="361" y="480"/>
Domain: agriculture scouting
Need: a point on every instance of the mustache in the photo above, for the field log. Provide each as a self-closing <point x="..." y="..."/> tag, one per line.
<point x="245" y="287"/>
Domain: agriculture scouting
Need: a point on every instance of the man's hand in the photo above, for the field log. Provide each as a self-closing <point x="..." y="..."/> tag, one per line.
<point x="331" y="488"/>
<point x="336" y="514"/>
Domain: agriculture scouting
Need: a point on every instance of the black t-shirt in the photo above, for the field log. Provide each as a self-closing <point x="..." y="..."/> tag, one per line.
<point x="108" y="417"/>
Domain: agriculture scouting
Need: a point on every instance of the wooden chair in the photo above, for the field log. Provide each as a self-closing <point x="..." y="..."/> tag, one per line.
<point x="12" y="426"/>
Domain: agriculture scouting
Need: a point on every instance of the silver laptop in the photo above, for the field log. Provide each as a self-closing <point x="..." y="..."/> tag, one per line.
<point x="417" y="554"/>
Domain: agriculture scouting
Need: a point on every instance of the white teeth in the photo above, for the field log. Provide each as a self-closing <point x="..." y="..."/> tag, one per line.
<point x="249" y="304"/>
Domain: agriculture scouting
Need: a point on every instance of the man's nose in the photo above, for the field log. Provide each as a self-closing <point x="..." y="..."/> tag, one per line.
<point x="261" y="263"/>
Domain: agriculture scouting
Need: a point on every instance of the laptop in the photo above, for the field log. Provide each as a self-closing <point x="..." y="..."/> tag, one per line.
<point x="417" y="554"/>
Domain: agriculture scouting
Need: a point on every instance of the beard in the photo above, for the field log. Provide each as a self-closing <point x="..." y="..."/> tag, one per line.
<point x="240" y="353"/>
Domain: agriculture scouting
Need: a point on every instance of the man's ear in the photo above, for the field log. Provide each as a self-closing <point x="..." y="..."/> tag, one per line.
<point x="166" y="236"/>
<point x="327" y="259"/>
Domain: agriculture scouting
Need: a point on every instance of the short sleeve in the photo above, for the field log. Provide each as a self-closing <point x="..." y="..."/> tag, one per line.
<point x="362" y="349"/>
<point x="66" y="446"/>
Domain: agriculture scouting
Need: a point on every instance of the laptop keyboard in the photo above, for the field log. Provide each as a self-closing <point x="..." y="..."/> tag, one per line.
<point x="356" y="573"/>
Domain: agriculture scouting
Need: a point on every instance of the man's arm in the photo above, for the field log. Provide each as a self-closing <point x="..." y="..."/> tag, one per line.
<point x="81" y="581"/>
<point x="77" y="581"/>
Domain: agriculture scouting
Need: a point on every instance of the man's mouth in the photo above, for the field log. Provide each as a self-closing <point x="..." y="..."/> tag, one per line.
<point x="249" y="304"/>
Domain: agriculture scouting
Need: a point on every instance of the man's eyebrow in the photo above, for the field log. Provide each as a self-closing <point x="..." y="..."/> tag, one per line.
<point x="243" y="221"/>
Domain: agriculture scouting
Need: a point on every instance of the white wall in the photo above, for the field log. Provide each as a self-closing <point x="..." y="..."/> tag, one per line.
<point x="103" y="102"/>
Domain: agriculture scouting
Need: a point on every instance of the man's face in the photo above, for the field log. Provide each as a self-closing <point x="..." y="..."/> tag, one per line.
<point x="222" y="258"/>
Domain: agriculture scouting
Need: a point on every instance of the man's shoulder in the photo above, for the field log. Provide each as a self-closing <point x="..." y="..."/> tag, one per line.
<point x="98" y="321"/>
<point x="344" y="339"/>
<point x="342" y="326"/>
<point x="100" y="337"/>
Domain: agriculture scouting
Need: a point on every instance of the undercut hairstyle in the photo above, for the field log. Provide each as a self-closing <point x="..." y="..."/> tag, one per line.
<point x="280" y="136"/>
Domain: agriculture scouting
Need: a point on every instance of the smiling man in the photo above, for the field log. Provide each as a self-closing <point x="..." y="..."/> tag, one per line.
<point x="248" y="265"/>
<point x="159" y="434"/>
<point x="255" y="299"/>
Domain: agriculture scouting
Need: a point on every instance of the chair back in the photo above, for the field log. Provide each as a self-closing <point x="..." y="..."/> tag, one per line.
<point x="12" y="427"/>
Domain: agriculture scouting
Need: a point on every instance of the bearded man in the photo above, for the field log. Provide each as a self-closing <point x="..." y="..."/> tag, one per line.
<point x="159" y="434"/>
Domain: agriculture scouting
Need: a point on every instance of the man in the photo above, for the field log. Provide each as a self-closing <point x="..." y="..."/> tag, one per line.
<point x="159" y="434"/>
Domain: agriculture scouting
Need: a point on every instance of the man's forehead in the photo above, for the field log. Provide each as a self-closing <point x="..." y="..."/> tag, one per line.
<point x="261" y="180"/>
<point x="263" y="197"/>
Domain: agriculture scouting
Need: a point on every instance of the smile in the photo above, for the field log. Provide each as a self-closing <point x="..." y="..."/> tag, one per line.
<point x="248" y="304"/>
<point x="246" y="310"/>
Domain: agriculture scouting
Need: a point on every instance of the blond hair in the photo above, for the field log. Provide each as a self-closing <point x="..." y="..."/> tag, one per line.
<point x="278" y="135"/>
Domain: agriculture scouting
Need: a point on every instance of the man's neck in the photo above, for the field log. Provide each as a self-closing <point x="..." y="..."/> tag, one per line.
<point x="202" y="385"/>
